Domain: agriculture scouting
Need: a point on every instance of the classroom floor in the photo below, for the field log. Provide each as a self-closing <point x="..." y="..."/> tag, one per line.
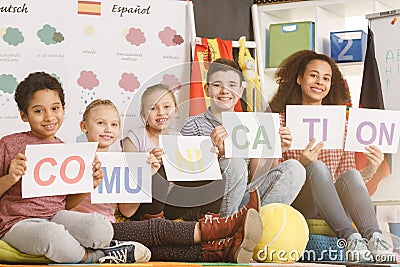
<point x="184" y="264"/>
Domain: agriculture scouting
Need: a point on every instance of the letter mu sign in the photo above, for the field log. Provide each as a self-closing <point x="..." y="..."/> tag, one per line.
<point x="120" y="175"/>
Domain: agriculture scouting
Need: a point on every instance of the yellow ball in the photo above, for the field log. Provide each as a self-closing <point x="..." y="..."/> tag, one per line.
<point x="285" y="234"/>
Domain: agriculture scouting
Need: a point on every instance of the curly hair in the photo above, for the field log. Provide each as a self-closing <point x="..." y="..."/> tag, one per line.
<point x="294" y="66"/>
<point x="36" y="81"/>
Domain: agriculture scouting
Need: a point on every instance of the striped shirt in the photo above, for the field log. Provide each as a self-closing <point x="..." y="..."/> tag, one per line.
<point x="337" y="160"/>
<point x="200" y="125"/>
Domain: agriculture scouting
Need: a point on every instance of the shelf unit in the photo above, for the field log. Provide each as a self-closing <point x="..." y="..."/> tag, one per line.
<point x="329" y="16"/>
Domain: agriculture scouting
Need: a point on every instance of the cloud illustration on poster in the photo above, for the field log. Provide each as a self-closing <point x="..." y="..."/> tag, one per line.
<point x="88" y="80"/>
<point x="129" y="83"/>
<point x="8" y="84"/>
<point x="13" y="36"/>
<point x="169" y="37"/>
<point x="49" y="35"/>
<point x="172" y="81"/>
<point x="177" y="39"/>
<point x="135" y="36"/>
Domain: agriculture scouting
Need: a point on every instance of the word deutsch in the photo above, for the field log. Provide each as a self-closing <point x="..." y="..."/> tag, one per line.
<point x="14" y="9"/>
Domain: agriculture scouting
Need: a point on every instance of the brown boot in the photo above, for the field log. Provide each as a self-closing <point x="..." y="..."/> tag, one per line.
<point x="254" y="200"/>
<point x="214" y="227"/>
<point x="145" y="217"/>
<point x="253" y="203"/>
<point x="238" y="248"/>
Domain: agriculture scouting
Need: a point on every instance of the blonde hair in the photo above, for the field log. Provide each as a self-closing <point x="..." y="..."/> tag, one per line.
<point x="96" y="103"/>
<point x="163" y="88"/>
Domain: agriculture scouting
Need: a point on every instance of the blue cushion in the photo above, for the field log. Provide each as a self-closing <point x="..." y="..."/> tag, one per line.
<point x="323" y="248"/>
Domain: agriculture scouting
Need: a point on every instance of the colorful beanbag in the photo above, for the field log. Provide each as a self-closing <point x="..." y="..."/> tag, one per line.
<point x="10" y="254"/>
<point x="319" y="227"/>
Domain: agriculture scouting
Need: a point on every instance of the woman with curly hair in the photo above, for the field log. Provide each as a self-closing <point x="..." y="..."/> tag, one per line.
<point x="334" y="190"/>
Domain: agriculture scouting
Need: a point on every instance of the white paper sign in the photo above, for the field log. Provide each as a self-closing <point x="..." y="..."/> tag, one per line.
<point x="252" y="135"/>
<point x="324" y="123"/>
<point x="127" y="178"/>
<point x="58" y="169"/>
<point x="373" y="127"/>
<point x="189" y="158"/>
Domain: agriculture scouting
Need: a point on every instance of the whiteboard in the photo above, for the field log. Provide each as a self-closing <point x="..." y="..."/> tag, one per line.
<point x="386" y="29"/>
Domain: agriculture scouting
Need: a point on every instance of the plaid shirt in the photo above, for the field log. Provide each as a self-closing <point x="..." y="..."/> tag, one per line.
<point x="337" y="160"/>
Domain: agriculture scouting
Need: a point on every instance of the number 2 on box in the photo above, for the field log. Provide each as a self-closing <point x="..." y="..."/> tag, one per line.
<point x="342" y="56"/>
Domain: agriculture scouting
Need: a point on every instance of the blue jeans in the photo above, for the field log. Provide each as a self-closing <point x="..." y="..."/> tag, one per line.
<point x="235" y="173"/>
<point x="281" y="184"/>
<point x="338" y="204"/>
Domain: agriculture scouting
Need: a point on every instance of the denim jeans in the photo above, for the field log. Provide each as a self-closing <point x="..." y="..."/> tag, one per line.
<point x="338" y="204"/>
<point x="235" y="173"/>
<point x="281" y="184"/>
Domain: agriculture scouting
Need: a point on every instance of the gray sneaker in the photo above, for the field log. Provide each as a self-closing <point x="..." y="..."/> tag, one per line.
<point x="381" y="249"/>
<point x="125" y="252"/>
<point x="356" y="249"/>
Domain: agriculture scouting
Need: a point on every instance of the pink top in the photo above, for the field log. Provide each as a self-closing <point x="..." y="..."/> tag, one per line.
<point x="107" y="209"/>
<point x="14" y="208"/>
<point x="142" y="141"/>
<point x="337" y="160"/>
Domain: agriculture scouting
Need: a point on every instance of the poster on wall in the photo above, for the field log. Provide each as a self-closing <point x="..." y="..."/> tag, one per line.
<point x="96" y="49"/>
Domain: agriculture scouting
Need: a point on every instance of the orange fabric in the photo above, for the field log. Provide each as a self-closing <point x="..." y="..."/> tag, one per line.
<point x="206" y="52"/>
<point x="382" y="172"/>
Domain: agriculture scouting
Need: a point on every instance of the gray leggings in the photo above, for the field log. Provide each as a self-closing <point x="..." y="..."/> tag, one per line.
<point x="63" y="238"/>
<point x="338" y="204"/>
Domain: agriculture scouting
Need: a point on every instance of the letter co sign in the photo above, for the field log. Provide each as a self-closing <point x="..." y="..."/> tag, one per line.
<point x="58" y="169"/>
<point x="62" y="171"/>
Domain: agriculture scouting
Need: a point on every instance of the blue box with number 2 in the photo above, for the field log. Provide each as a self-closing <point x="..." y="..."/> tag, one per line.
<point x="348" y="46"/>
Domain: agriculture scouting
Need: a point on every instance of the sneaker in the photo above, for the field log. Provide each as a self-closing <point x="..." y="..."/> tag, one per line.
<point x="381" y="249"/>
<point x="356" y="249"/>
<point x="125" y="252"/>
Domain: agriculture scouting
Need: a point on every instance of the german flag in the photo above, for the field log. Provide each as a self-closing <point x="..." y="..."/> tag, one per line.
<point x="89" y="8"/>
<point x="371" y="97"/>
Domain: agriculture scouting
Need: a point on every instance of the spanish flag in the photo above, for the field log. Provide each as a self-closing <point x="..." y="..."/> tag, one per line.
<point x="89" y="8"/>
<point x="206" y="51"/>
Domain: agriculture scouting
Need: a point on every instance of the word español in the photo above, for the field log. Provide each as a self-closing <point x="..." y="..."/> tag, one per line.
<point x="130" y="10"/>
